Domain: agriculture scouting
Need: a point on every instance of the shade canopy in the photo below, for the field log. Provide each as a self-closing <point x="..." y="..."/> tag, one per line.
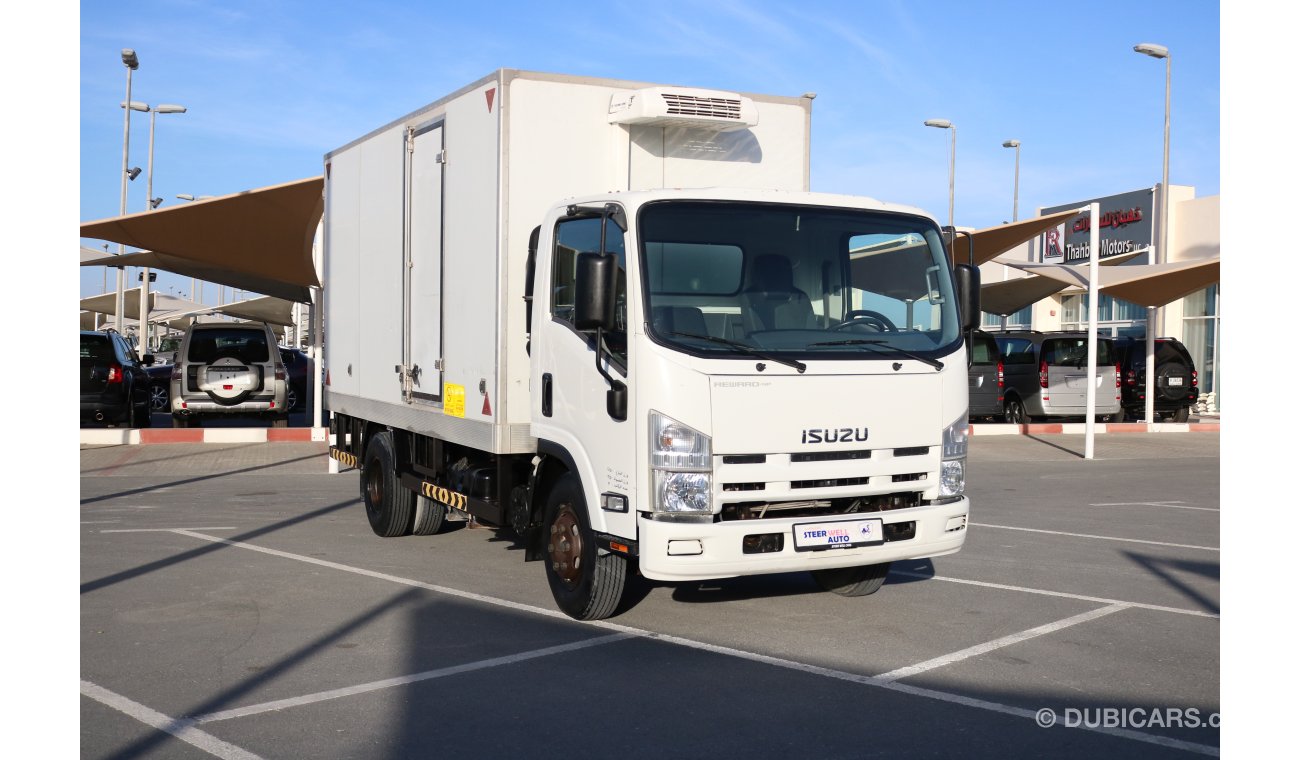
<point x="1150" y="285"/>
<point x="178" y="312"/>
<point x="1010" y="296"/>
<point x="992" y="242"/>
<point x="258" y="240"/>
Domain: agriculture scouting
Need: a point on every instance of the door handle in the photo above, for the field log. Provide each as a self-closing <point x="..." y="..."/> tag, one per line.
<point x="546" y="394"/>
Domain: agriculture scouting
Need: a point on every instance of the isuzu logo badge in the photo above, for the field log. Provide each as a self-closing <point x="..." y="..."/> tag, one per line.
<point x="834" y="435"/>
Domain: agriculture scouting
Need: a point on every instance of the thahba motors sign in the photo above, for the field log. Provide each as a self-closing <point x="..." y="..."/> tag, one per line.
<point x="1125" y="226"/>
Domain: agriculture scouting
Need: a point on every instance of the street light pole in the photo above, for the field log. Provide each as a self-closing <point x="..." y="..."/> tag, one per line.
<point x="1015" y="198"/>
<point x="1162" y="255"/>
<point x="151" y="203"/>
<point x="132" y="62"/>
<point x="952" y="160"/>
<point x="196" y="285"/>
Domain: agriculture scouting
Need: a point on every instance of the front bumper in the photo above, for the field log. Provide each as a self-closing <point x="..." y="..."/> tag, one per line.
<point x="722" y="554"/>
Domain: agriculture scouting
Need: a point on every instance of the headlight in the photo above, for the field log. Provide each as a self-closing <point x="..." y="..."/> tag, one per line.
<point x="681" y="462"/>
<point x="952" y="475"/>
<point x="954" y="438"/>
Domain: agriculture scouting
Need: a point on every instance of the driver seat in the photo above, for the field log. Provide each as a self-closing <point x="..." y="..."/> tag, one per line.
<point x="771" y="301"/>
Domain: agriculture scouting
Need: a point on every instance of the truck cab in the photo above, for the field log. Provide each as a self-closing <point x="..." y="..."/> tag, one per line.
<point x="742" y="382"/>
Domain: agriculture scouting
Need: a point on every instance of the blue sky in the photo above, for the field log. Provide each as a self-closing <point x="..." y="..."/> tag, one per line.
<point x="272" y="86"/>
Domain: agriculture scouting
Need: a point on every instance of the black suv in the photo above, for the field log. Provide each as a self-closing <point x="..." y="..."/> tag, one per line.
<point x="114" y="383"/>
<point x="1176" y="387"/>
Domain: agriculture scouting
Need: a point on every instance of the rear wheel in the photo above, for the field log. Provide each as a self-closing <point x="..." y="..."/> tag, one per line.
<point x="852" y="581"/>
<point x="388" y="504"/>
<point x="158" y="397"/>
<point x="586" y="584"/>
<point x="430" y="516"/>
<point x="281" y="421"/>
<point x="1014" y="412"/>
<point x="1182" y="413"/>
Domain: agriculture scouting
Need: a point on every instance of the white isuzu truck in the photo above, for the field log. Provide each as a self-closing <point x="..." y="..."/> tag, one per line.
<point x="610" y="317"/>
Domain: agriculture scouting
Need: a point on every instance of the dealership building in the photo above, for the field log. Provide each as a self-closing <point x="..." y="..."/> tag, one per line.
<point x="1129" y="229"/>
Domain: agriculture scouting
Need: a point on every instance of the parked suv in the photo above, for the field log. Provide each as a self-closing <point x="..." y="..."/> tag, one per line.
<point x="228" y="368"/>
<point x="1177" y="389"/>
<point x="1046" y="376"/>
<point x="986" y="376"/>
<point x="114" y="384"/>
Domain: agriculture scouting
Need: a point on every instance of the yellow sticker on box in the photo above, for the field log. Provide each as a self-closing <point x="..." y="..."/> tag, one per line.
<point x="453" y="399"/>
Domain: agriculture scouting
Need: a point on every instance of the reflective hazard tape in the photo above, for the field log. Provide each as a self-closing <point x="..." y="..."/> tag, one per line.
<point x="446" y="496"/>
<point x="343" y="457"/>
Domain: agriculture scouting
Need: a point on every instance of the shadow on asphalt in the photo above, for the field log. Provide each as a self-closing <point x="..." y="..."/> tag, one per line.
<point x="156" y="565"/>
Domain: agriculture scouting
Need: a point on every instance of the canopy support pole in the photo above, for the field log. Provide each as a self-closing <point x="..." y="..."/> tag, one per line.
<point x="1094" y="245"/>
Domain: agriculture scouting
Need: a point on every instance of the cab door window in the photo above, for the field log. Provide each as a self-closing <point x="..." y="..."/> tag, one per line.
<point x="582" y="235"/>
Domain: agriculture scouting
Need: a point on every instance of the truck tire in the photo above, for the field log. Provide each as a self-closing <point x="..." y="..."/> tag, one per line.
<point x="388" y="504"/>
<point x="852" y="581"/>
<point x="430" y="516"/>
<point x="586" y="585"/>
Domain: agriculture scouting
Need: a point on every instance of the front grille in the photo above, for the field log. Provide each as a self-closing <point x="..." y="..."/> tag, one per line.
<point x="909" y="477"/>
<point x="744" y="459"/>
<point x="742" y="486"/>
<point x="831" y="482"/>
<point x="691" y="105"/>
<point x="913" y="451"/>
<point x="830" y="456"/>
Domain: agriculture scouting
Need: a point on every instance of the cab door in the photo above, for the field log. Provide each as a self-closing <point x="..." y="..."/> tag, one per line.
<point x="568" y="392"/>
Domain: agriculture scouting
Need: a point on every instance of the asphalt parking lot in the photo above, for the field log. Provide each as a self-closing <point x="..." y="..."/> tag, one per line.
<point x="234" y="603"/>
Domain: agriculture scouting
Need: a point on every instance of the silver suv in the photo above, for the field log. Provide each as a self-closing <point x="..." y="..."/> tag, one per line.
<point x="228" y="369"/>
<point x="1046" y="375"/>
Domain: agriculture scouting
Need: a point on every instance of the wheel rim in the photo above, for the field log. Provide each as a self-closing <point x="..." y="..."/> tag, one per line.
<point x="374" y="488"/>
<point x="290" y="399"/>
<point x="565" y="546"/>
<point x="158" y="398"/>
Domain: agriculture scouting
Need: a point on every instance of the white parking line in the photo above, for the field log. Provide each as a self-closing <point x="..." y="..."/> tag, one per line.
<point x="1169" y="504"/>
<point x="740" y="653"/>
<point x="1103" y="538"/>
<point x="181" y="729"/>
<point x="162" y="530"/>
<point x="989" y="646"/>
<point x="1061" y="594"/>
<point x="347" y="691"/>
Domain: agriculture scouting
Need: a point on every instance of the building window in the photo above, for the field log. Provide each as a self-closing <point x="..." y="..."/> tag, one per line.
<point x="1201" y="336"/>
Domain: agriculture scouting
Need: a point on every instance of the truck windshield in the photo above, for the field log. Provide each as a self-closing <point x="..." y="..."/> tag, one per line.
<point x="795" y="282"/>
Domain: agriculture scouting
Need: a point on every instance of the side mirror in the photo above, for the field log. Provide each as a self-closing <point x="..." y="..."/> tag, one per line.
<point x="596" y="279"/>
<point x="967" y="280"/>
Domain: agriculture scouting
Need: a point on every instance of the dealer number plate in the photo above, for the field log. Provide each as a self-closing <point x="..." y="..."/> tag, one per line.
<point x="1175" y="381"/>
<point x="841" y="534"/>
<point x="225" y="375"/>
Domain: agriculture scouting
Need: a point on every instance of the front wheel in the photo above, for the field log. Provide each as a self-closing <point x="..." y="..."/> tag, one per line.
<point x="586" y="584"/>
<point x="852" y="581"/>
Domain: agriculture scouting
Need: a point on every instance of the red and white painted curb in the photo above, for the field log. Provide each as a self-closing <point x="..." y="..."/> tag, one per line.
<point x="117" y="437"/>
<point x="1081" y="428"/>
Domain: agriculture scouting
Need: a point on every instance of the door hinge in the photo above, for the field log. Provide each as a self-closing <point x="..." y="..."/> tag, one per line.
<point x="441" y="158"/>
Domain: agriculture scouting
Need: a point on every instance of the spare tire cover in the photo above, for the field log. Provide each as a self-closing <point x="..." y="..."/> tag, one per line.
<point x="217" y="390"/>
<point x="1180" y="375"/>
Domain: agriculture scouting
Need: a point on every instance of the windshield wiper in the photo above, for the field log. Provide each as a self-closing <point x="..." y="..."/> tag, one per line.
<point x="875" y="343"/>
<point x="743" y="348"/>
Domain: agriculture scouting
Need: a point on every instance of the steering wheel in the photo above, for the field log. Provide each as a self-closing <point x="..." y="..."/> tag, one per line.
<point x="866" y="317"/>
